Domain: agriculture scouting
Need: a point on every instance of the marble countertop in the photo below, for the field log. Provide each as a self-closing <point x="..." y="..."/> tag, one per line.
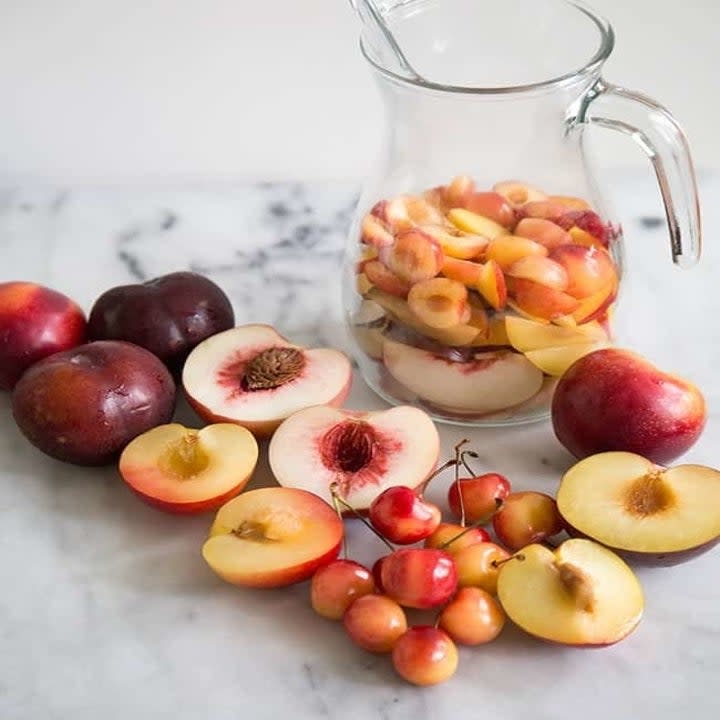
<point x="108" y="610"/>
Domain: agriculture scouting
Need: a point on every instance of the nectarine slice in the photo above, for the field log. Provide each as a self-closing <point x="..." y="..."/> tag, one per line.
<point x="415" y="255"/>
<point x="492" y="285"/>
<point x="543" y="231"/>
<point x="588" y="269"/>
<point x="476" y="224"/>
<point x="628" y="503"/>
<point x="272" y="537"/>
<point x="363" y="452"/>
<point x="579" y="594"/>
<point x="252" y="376"/>
<point x="182" y="470"/>
<point x="556" y="360"/>
<point x="492" y="381"/>
<point x="527" y="335"/>
<point x="508" y="249"/>
<point x="541" y="270"/>
<point x="542" y="301"/>
<point x="455" y="243"/>
<point x="377" y="274"/>
<point x="440" y="302"/>
<point x="518" y="193"/>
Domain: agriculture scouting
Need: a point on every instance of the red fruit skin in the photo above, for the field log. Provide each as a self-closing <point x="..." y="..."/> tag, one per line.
<point x="84" y="405"/>
<point x="402" y="516"/>
<point x="481" y="496"/>
<point x="194" y="508"/>
<point x="613" y="399"/>
<point x="419" y="577"/>
<point x="376" y="571"/>
<point x="168" y="315"/>
<point x="586" y="220"/>
<point x="35" y="322"/>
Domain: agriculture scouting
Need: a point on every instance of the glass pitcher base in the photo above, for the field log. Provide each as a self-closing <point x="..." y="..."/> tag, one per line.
<point x="535" y="410"/>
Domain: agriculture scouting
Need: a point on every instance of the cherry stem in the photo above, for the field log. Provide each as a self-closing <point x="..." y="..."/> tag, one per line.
<point x="336" y="505"/>
<point x="340" y="500"/>
<point x="517" y="556"/>
<point x="465" y="531"/>
<point x="423" y="485"/>
<point x="471" y="454"/>
<point x="458" y="459"/>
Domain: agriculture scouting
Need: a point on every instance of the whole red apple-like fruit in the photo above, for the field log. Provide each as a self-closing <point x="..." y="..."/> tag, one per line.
<point x="84" y="405"/>
<point x="168" y="315"/>
<point x="614" y="399"/>
<point x="35" y="322"/>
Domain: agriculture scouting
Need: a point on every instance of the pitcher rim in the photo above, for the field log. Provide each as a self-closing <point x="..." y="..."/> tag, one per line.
<point x="607" y="43"/>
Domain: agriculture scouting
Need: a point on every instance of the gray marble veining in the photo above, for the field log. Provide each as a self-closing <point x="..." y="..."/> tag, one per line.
<point x="106" y="607"/>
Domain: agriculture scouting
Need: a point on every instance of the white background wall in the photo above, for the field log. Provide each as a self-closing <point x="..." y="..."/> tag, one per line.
<point x="147" y="89"/>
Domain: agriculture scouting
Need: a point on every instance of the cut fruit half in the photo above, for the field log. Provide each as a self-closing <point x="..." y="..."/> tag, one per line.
<point x="580" y="594"/>
<point x="555" y="361"/>
<point x="364" y="453"/>
<point x="493" y="381"/>
<point x="627" y="503"/>
<point x="252" y="376"/>
<point x="527" y="335"/>
<point x="272" y="537"/>
<point x="182" y="470"/>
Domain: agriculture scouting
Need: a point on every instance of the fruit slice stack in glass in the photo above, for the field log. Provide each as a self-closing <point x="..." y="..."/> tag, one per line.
<point x="472" y="299"/>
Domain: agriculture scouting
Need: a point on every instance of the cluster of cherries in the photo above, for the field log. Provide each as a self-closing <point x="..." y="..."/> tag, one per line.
<point x="454" y="572"/>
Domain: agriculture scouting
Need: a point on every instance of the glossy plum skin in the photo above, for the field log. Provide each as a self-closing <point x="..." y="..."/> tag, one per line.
<point x="35" y="322"/>
<point x="168" y="315"/>
<point x="613" y="399"/>
<point x="84" y="405"/>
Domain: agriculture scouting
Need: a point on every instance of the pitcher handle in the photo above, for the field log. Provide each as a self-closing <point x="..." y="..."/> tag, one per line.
<point x="659" y="135"/>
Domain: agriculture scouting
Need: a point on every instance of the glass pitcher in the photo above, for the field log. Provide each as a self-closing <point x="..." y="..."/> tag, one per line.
<point x="484" y="258"/>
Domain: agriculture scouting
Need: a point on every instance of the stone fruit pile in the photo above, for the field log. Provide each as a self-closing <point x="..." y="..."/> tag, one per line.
<point x="514" y="285"/>
<point x="104" y="392"/>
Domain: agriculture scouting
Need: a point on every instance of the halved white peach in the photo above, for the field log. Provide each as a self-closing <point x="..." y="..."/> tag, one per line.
<point x="362" y="452"/>
<point x="492" y="381"/>
<point x="272" y="537"/>
<point x="581" y="593"/>
<point x="252" y="376"/>
<point x="556" y="360"/>
<point x="527" y="335"/>
<point x="471" y="222"/>
<point x="183" y="470"/>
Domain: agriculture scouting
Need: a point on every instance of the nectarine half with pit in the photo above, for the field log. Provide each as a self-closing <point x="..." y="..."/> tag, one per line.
<point x="272" y="537"/>
<point x="362" y="452"/>
<point x="251" y="375"/>
<point x="629" y="504"/>
<point x="579" y="594"/>
<point x="183" y="470"/>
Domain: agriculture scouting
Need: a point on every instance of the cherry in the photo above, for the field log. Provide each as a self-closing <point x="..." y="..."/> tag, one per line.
<point x="472" y="617"/>
<point x="402" y="516"/>
<point x="336" y="585"/>
<point x="375" y="622"/>
<point x="481" y="496"/>
<point x="419" y="577"/>
<point x="425" y="655"/>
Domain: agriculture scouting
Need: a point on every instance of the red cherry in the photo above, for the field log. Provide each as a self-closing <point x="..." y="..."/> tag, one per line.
<point x="402" y="516"/>
<point x="481" y="496"/>
<point x="419" y="577"/>
<point x="336" y="585"/>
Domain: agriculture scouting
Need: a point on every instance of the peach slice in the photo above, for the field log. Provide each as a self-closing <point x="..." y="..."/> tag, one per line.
<point x="494" y="336"/>
<point x="594" y="306"/>
<point x="584" y="238"/>
<point x="543" y="231"/>
<point x="510" y="248"/>
<point x="252" y="376"/>
<point x="464" y="271"/>
<point x="588" y="269"/>
<point x="373" y="231"/>
<point x="363" y="452"/>
<point x="363" y="284"/>
<point x="476" y="224"/>
<point x="527" y="335"/>
<point x="440" y="302"/>
<point x="518" y="193"/>
<point x="414" y="256"/>
<point x="491" y="205"/>
<point x="579" y="594"/>
<point x="400" y="311"/>
<point x="544" y="209"/>
<point x="570" y="202"/>
<point x="455" y="243"/>
<point x="182" y="470"/>
<point x="541" y="301"/>
<point x="541" y="270"/>
<point x="405" y="211"/>
<point x="556" y="360"/>
<point x="436" y="198"/>
<point x="492" y="381"/>
<point x="492" y="285"/>
<point x="272" y="537"/>
<point x="458" y="191"/>
<point x="386" y="280"/>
